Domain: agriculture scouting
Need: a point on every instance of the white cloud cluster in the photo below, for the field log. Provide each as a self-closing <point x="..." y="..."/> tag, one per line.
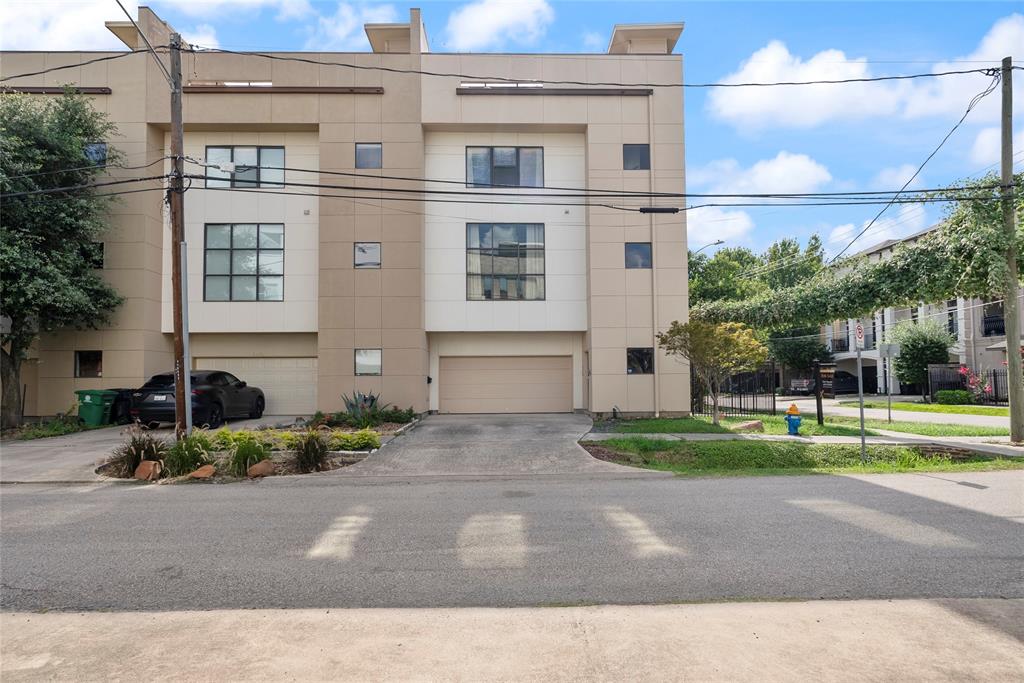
<point x="713" y="223"/>
<point x="988" y="144"/>
<point x="488" y="24"/>
<point x="286" y="9"/>
<point x="203" y="35"/>
<point x="74" y="25"/>
<point x="808" y="106"/>
<point x="785" y="173"/>
<point x="893" y="177"/>
<point x="343" y="30"/>
<point x="594" y="41"/>
<point x="908" y="219"/>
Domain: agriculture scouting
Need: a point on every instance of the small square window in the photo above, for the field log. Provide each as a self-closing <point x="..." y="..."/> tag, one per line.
<point x="369" y="155"/>
<point x="640" y="361"/>
<point x="367" y="255"/>
<point x="636" y="157"/>
<point x="88" y="363"/>
<point x="638" y="254"/>
<point x="368" y="361"/>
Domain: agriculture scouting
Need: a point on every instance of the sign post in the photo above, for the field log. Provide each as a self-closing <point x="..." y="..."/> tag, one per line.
<point x="860" y="389"/>
<point x="887" y="352"/>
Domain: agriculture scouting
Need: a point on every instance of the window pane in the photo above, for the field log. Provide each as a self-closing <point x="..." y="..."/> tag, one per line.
<point x="218" y="288"/>
<point x="638" y="254"/>
<point x="533" y="262"/>
<point x="488" y="287"/>
<point x="533" y="287"/>
<point x="271" y="237"/>
<point x="271" y="288"/>
<point x="218" y="155"/>
<point x="271" y="262"/>
<point x="505" y="176"/>
<point x="504" y="157"/>
<point x="636" y="157"/>
<point x="504" y="235"/>
<point x="479" y="262"/>
<point x="244" y="237"/>
<point x="505" y="288"/>
<point x="88" y="363"/>
<point x="218" y="262"/>
<point x="478" y="166"/>
<point x="218" y="236"/>
<point x="478" y="235"/>
<point x="534" y="235"/>
<point x="506" y="264"/>
<point x="271" y="163"/>
<point x="368" y="361"/>
<point x="367" y="255"/>
<point x="368" y="155"/>
<point x="474" y="288"/>
<point x="243" y="288"/>
<point x="531" y="167"/>
<point x="640" y="361"/>
<point x="246" y="167"/>
<point x="243" y="262"/>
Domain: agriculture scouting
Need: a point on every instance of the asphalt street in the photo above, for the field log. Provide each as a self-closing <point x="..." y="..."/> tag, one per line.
<point x="514" y="541"/>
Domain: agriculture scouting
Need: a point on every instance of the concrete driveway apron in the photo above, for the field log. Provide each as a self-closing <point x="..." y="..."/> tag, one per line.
<point x="486" y="445"/>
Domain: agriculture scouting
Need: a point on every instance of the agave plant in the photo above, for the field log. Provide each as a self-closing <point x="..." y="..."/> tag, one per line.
<point x="364" y="409"/>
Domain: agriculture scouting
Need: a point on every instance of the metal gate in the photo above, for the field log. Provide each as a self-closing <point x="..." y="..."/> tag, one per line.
<point x="744" y="394"/>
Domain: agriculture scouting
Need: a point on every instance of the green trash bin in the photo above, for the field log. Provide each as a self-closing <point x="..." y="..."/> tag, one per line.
<point x="94" y="406"/>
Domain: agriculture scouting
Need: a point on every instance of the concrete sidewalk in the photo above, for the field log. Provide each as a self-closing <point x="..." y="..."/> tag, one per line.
<point x="992" y="445"/>
<point x="936" y="640"/>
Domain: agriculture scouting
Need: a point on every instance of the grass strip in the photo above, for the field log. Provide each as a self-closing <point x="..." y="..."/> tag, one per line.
<point x="994" y="411"/>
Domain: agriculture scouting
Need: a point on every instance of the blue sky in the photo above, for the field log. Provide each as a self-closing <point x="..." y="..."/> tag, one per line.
<point x="862" y="137"/>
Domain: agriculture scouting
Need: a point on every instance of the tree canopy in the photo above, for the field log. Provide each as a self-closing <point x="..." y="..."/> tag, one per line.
<point x="922" y="344"/>
<point x="47" y="281"/>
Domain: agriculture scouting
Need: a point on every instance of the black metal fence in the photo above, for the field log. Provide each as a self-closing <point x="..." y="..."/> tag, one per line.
<point x="744" y="394"/>
<point x="944" y="377"/>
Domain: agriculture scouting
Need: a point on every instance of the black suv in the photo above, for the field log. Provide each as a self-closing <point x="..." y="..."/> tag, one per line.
<point x="216" y="395"/>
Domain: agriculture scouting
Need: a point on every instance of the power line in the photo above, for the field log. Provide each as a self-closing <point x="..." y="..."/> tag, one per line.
<point x="973" y="103"/>
<point x="149" y="45"/>
<point x="86" y="168"/>
<point x="87" y="186"/>
<point x="106" y="58"/>
<point x="506" y="79"/>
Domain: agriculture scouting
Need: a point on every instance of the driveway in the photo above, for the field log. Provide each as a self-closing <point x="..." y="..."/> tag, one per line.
<point x="75" y="457"/>
<point x="488" y="445"/>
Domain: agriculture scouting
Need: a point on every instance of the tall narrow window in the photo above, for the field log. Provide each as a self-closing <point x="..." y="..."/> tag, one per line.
<point x="993" y="324"/>
<point x="505" y="166"/>
<point x="952" y="324"/>
<point x="504" y="261"/>
<point x="243" y="166"/>
<point x="636" y="157"/>
<point x="369" y="155"/>
<point x="244" y="262"/>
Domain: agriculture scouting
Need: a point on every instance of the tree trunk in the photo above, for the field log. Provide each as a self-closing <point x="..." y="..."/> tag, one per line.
<point x="10" y="384"/>
<point x="714" y="402"/>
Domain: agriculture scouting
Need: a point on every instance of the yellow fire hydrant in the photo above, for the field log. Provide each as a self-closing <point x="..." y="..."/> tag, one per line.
<point x="793" y="419"/>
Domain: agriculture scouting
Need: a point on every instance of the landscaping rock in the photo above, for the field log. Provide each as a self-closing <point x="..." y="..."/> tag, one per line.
<point x="204" y="472"/>
<point x="750" y="426"/>
<point x="149" y="470"/>
<point x="265" y="468"/>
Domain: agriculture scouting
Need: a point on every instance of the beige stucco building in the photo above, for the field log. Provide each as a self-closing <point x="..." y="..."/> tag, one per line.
<point x="455" y="296"/>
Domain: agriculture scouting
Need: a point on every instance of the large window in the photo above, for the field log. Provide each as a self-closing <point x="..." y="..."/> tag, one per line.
<point x="244" y="262"/>
<point x="254" y="166"/>
<point x="504" y="261"/>
<point x="505" y="166"/>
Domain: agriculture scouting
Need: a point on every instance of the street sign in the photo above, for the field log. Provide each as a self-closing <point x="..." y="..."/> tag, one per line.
<point x="860" y="335"/>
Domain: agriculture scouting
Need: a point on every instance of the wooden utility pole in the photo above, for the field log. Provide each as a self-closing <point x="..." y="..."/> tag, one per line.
<point x="1011" y="304"/>
<point x="175" y="197"/>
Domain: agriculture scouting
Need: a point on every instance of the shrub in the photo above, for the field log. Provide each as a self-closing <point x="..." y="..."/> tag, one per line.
<point x="139" y="445"/>
<point x="245" y="453"/>
<point x="953" y="397"/>
<point x="311" y="451"/>
<point x="364" y="439"/>
<point x="318" y="419"/>
<point x="223" y="439"/>
<point x="189" y="454"/>
<point x="397" y="415"/>
<point x="58" y="426"/>
<point x="364" y="410"/>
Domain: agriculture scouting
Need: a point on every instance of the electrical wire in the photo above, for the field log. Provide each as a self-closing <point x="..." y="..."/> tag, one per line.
<point x="86" y="168"/>
<point x="87" y="186"/>
<point x="149" y="45"/>
<point x="106" y="58"/>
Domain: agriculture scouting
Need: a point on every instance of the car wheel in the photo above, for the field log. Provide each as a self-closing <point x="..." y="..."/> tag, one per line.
<point x="216" y="416"/>
<point x="153" y="425"/>
<point x="257" y="408"/>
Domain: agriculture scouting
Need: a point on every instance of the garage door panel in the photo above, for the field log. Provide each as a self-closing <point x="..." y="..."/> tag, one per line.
<point x="289" y="384"/>
<point x="505" y="384"/>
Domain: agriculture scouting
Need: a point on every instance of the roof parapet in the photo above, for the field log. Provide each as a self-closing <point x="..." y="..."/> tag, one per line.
<point x="644" y="39"/>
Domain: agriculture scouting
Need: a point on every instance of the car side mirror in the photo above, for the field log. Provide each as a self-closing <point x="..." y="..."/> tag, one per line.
<point x="242" y="385"/>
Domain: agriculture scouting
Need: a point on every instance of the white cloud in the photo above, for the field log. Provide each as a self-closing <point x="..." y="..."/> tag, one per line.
<point x="893" y="177"/>
<point x="715" y="223"/>
<point x="594" y="41"/>
<point x="908" y="219"/>
<point x="203" y="35"/>
<point x="286" y="9"/>
<point x="785" y="173"/>
<point x="988" y="143"/>
<point x="75" y="25"/>
<point x="493" y="23"/>
<point x="814" y="105"/>
<point x="344" y="29"/>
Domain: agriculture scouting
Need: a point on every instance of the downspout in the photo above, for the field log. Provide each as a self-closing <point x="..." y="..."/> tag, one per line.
<point x="654" y="260"/>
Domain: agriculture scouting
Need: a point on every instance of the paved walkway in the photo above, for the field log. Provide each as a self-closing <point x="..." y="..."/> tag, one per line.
<point x="489" y="445"/>
<point x="934" y="640"/>
<point x="994" y="445"/>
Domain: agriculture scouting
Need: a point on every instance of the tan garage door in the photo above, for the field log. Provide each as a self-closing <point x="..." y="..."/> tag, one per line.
<point x="288" y="383"/>
<point x="506" y="384"/>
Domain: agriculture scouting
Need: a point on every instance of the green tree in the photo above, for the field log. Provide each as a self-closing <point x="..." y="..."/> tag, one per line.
<point x="721" y="277"/>
<point x="46" y="280"/>
<point x="715" y="352"/>
<point x="921" y="344"/>
<point x="797" y="349"/>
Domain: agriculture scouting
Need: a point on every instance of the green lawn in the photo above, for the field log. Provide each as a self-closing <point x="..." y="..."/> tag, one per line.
<point x="745" y="458"/>
<point x="935" y="408"/>
<point x="923" y="428"/>
<point x="773" y="424"/>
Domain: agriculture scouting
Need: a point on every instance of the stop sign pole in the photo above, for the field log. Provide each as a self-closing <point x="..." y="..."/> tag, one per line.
<point x="860" y="389"/>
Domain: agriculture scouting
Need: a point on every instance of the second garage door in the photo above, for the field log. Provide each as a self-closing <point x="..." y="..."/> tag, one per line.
<point x="506" y="384"/>
<point x="288" y="383"/>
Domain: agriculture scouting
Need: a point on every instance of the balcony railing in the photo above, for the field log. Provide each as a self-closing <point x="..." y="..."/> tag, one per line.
<point x="840" y="345"/>
<point x="993" y="326"/>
